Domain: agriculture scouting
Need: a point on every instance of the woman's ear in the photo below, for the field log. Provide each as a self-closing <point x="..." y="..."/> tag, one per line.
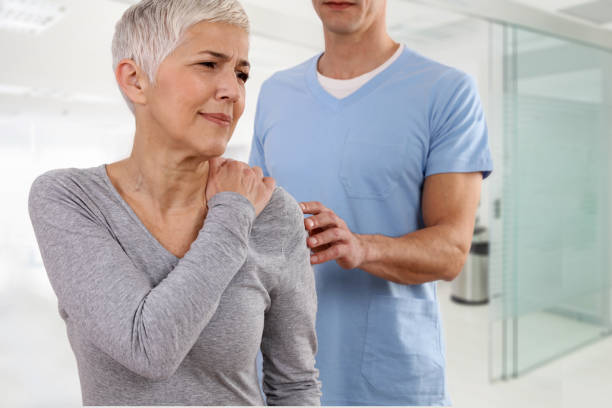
<point x="132" y="81"/>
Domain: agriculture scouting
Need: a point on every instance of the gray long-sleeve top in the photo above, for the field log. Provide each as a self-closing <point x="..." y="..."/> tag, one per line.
<point x="148" y="328"/>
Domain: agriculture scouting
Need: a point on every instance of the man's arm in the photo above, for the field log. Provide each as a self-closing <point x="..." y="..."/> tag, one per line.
<point x="436" y="252"/>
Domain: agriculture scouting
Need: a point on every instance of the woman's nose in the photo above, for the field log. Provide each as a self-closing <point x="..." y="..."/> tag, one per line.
<point x="228" y="87"/>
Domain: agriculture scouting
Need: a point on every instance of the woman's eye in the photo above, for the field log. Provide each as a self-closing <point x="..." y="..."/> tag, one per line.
<point x="209" y="64"/>
<point x="243" y="76"/>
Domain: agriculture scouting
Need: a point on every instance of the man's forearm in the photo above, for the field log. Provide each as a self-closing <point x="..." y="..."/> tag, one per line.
<point x="426" y="255"/>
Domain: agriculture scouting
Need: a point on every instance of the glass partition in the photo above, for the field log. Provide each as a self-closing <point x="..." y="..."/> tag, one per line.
<point x="550" y="262"/>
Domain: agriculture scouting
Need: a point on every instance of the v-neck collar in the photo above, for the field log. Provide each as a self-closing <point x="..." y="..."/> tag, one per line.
<point x="336" y="104"/>
<point x="103" y="173"/>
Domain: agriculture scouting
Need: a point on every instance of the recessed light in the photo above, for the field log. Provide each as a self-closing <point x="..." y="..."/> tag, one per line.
<point x="29" y="16"/>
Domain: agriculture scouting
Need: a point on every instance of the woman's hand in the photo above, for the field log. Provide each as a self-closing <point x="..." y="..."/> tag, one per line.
<point x="236" y="176"/>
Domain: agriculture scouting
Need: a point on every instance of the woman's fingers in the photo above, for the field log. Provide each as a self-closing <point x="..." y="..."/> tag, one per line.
<point x="239" y="177"/>
<point x="214" y="164"/>
<point x="269" y="182"/>
<point x="258" y="171"/>
<point x="266" y="185"/>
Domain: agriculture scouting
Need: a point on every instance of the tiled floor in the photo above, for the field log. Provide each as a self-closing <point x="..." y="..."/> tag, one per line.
<point x="37" y="367"/>
<point x="580" y="379"/>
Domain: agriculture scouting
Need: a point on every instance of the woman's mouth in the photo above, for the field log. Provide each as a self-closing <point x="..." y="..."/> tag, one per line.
<point x="220" y="119"/>
<point x="338" y="5"/>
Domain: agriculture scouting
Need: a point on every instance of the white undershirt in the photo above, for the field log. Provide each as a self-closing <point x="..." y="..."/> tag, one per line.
<point x="341" y="88"/>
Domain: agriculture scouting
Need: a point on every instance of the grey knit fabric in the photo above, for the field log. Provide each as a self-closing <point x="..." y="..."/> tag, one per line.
<point x="148" y="328"/>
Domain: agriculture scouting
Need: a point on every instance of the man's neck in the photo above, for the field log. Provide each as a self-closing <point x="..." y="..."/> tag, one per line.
<point x="351" y="55"/>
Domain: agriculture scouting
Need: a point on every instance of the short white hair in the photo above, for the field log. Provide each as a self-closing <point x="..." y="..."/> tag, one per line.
<point x="150" y="30"/>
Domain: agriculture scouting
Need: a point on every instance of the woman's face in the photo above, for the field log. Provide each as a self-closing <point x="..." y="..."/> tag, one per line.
<point x="199" y="93"/>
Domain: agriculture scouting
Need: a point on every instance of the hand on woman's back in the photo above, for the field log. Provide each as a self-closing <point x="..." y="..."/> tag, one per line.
<point x="239" y="177"/>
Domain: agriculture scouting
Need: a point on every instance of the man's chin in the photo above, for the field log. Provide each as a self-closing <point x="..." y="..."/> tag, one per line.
<point x="341" y="27"/>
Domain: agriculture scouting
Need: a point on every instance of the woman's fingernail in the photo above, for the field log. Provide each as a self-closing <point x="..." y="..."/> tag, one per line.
<point x="313" y="241"/>
<point x="314" y="258"/>
<point x="309" y="223"/>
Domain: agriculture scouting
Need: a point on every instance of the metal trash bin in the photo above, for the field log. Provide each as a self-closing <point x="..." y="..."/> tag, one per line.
<point x="472" y="285"/>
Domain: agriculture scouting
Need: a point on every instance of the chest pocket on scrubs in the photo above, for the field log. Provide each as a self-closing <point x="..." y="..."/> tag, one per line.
<point x="402" y="355"/>
<point x="369" y="169"/>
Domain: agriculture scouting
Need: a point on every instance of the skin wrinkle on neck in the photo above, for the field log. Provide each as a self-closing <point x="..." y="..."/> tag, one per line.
<point x="167" y="186"/>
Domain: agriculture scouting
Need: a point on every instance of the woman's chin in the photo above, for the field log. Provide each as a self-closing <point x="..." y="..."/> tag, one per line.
<point x="214" y="151"/>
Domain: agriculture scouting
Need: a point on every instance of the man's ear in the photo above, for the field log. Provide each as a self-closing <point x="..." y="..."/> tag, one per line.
<point x="132" y="81"/>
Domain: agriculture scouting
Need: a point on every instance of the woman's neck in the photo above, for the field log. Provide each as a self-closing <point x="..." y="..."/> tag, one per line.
<point x="171" y="181"/>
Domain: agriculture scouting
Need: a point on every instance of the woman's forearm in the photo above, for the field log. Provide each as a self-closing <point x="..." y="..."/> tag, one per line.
<point x="175" y="312"/>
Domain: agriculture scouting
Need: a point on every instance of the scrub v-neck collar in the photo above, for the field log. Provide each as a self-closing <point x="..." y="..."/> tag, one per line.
<point x="336" y="104"/>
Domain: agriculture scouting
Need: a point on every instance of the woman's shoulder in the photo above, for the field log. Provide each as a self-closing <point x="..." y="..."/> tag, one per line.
<point x="75" y="185"/>
<point x="66" y="177"/>
<point x="282" y="218"/>
<point x="283" y="209"/>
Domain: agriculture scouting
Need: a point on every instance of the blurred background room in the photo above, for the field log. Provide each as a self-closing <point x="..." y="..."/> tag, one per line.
<point x="528" y="322"/>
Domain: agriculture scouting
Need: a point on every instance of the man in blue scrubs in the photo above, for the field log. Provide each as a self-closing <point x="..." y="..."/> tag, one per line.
<point x="386" y="150"/>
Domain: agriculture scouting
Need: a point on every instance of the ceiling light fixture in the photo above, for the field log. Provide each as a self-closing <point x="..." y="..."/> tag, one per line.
<point x="29" y="16"/>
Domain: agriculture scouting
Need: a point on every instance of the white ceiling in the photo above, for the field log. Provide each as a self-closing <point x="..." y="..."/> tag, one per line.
<point x="68" y="66"/>
<point x="557" y="7"/>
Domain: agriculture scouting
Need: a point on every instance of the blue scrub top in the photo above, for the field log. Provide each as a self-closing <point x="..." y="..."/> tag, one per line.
<point x="366" y="157"/>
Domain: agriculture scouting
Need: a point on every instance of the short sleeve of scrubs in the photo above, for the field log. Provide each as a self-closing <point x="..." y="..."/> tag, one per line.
<point x="458" y="130"/>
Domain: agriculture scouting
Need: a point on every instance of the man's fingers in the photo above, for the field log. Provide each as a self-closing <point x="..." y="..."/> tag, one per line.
<point x="328" y="236"/>
<point x="322" y="220"/>
<point x="320" y="248"/>
<point x="312" y="207"/>
<point x="315" y="231"/>
<point x="334" y="252"/>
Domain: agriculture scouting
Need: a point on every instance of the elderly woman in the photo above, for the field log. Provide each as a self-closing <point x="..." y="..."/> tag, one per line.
<point x="173" y="267"/>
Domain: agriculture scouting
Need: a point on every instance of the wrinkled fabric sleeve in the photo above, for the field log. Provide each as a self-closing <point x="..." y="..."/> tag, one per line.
<point x="148" y="329"/>
<point x="289" y="343"/>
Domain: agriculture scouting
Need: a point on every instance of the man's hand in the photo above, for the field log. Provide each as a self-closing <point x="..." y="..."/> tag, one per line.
<point x="330" y="238"/>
